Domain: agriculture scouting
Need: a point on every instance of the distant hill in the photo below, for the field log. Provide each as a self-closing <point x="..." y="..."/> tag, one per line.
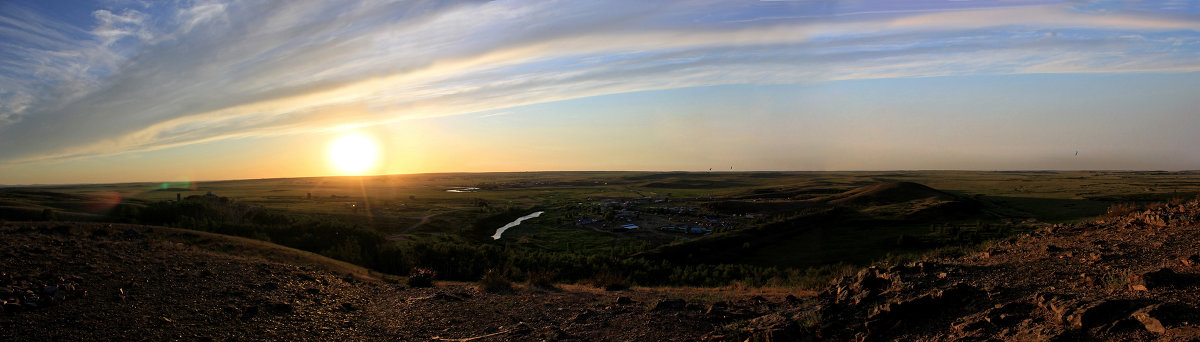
<point x="889" y="193"/>
<point x="849" y="226"/>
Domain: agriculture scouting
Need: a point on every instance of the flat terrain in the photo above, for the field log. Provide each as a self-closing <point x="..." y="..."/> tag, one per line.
<point x="788" y="220"/>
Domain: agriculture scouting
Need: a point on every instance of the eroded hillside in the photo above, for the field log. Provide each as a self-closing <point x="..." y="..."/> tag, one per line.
<point x="1131" y="277"/>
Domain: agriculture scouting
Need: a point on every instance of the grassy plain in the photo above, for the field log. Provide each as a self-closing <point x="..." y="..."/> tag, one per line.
<point x="582" y="208"/>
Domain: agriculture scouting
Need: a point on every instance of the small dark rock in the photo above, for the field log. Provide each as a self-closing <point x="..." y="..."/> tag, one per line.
<point x="250" y="312"/>
<point x="1102" y="313"/>
<point x="790" y="299"/>
<point x="583" y="316"/>
<point x="280" y="308"/>
<point x="348" y="307"/>
<point x="670" y="305"/>
<point x="624" y="300"/>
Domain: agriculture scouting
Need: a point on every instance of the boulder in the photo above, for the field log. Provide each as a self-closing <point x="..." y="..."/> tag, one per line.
<point x="1103" y="312"/>
<point x="670" y="305"/>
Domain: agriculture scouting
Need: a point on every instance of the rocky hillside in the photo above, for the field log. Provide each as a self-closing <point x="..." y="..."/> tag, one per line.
<point x="121" y="282"/>
<point x="1129" y="277"/>
<point x="1132" y="277"/>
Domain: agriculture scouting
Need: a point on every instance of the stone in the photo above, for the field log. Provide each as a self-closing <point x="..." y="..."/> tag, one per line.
<point x="280" y="308"/>
<point x="1103" y="312"/>
<point x="624" y="300"/>
<point x="670" y="305"/>
<point x="717" y="309"/>
<point x="1148" y="322"/>
<point x="1166" y="277"/>
<point x="1055" y="305"/>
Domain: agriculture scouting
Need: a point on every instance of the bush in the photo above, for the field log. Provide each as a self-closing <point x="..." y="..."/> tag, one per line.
<point x="421" y="277"/>
<point x="610" y="282"/>
<point x="1122" y="209"/>
<point x="541" y="279"/>
<point x="494" y="282"/>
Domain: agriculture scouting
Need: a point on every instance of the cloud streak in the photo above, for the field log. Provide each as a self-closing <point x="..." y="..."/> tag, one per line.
<point x="157" y="77"/>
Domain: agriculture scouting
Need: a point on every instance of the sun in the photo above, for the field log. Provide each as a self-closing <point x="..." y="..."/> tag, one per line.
<point x="353" y="154"/>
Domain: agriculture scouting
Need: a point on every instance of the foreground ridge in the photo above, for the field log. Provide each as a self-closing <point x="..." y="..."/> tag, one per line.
<point x="1134" y="276"/>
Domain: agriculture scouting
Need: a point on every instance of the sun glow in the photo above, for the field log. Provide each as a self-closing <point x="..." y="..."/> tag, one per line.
<point x="353" y="154"/>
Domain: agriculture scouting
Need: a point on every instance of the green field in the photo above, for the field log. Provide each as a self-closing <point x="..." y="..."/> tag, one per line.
<point x="759" y="219"/>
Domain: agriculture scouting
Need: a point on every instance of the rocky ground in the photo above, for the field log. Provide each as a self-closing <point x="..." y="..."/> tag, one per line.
<point x="102" y="282"/>
<point x="1129" y="277"/>
<point x="1133" y="277"/>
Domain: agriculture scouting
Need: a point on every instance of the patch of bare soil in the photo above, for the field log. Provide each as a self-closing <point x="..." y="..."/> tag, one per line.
<point x="99" y="282"/>
<point x="1135" y="277"/>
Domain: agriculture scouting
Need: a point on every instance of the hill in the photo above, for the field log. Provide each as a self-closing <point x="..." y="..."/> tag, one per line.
<point x="859" y="225"/>
<point x="91" y="281"/>
<point x="889" y="193"/>
<point x="1132" y="277"/>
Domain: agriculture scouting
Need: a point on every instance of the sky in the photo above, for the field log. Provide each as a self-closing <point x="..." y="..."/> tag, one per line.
<point x="131" y="90"/>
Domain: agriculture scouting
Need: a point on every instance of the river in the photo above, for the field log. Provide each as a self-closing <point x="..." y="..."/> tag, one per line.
<point x="514" y="223"/>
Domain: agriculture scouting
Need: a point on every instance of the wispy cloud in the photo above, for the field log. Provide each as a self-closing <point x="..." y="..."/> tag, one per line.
<point x="153" y="77"/>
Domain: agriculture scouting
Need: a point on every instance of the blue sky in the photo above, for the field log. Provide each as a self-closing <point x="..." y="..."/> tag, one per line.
<point x="147" y="90"/>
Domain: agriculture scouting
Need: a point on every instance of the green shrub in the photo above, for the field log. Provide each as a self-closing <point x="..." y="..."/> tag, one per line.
<point x="494" y="282"/>
<point x="421" y="277"/>
<point x="610" y="282"/>
<point x="1121" y="209"/>
<point x="541" y="279"/>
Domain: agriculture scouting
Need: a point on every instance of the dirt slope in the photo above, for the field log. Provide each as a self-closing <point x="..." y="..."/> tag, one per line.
<point x="99" y="282"/>
<point x="1135" y="277"/>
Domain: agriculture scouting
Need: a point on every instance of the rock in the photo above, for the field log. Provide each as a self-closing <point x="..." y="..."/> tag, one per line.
<point x="349" y="307"/>
<point x="1157" y="318"/>
<point x="1055" y="305"/>
<point x="132" y="234"/>
<point x="1009" y="314"/>
<point x="790" y="299"/>
<point x="583" y="316"/>
<point x="670" y="305"/>
<point x="1166" y="277"/>
<point x="774" y="327"/>
<point x="1121" y="325"/>
<point x="280" y="308"/>
<point x="49" y="290"/>
<point x="624" y="300"/>
<point x="1148" y="322"/>
<point x="249" y="312"/>
<point x="1102" y="313"/>
<point x="717" y="309"/>
<point x="521" y="328"/>
<point x="867" y="284"/>
<point x="12" y="306"/>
